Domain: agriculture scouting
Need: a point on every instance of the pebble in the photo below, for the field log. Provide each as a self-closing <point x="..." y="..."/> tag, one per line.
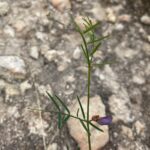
<point x="4" y="8"/>
<point x="127" y="132"/>
<point x="8" y="30"/>
<point x="2" y="84"/>
<point x="111" y="15"/>
<point x="124" y="18"/>
<point x="77" y="53"/>
<point x="34" y="53"/>
<point x="61" y="5"/>
<point x="140" y="127"/>
<point x="145" y="19"/>
<point x="52" y="146"/>
<point x="118" y="106"/>
<point x="146" y="48"/>
<point x="98" y="139"/>
<point x="119" y="27"/>
<point x="138" y="79"/>
<point x="12" y="67"/>
<point x="24" y="86"/>
<point x="19" y="25"/>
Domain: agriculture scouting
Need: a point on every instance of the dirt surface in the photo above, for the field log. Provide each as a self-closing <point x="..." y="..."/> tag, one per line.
<point x="46" y="56"/>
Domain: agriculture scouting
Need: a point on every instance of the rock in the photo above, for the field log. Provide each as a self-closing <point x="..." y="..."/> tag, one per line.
<point x="2" y="84"/>
<point x="98" y="11"/>
<point x="52" y="146"/>
<point x="19" y="25"/>
<point x="98" y="139"/>
<point x="120" y="109"/>
<point x="127" y="132"/>
<point x="111" y="15"/>
<point x="145" y="19"/>
<point x="34" y="53"/>
<point x="77" y="53"/>
<point x="4" y="8"/>
<point x="42" y="89"/>
<point x="11" y="90"/>
<point x="148" y="37"/>
<point x="61" y="5"/>
<point x="146" y="48"/>
<point x="8" y="30"/>
<point x="59" y="57"/>
<point x="140" y="127"/>
<point x="24" y="86"/>
<point x="138" y="79"/>
<point x="124" y="18"/>
<point x="119" y="27"/>
<point x="12" y="67"/>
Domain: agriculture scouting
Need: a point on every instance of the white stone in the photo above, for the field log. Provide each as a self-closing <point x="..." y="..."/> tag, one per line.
<point x="98" y="139"/>
<point x="34" y="53"/>
<point x="77" y="53"/>
<point x="25" y="86"/>
<point x="138" y="79"/>
<point x="4" y="8"/>
<point x="140" y="127"/>
<point x="111" y="15"/>
<point x="8" y="30"/>
<point x="127" y="132"/>
<point x="2" y="84"/>
<point x="12" y="67"/>
<point x="52" y="146"/>
<point x="119" y="26"/>
<point x="118" y="106"/>
<point x="145" y="19"/>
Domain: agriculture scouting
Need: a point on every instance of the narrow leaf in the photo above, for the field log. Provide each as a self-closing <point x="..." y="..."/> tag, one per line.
<point x="81" y="107"/>
<point x="84" y="126"/>
<point x="53" y="100"/>
<point x="63" y="104"/>
<point x="104" y="63"/>
<point x="91" y="27"/>
<point x="77" y="112"/>
<point x="98" y="40"/>
<point x="95" y="49"/>
<point x="59" y="120"/>
<point x="95" y="127"/>
<point x="66" y="117"/>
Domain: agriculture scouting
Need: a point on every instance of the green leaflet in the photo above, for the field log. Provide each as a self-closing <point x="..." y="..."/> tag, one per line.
<point x="83" y="114"/>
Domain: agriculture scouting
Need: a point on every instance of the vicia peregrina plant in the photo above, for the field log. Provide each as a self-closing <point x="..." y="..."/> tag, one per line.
<point x="90" y="45"/>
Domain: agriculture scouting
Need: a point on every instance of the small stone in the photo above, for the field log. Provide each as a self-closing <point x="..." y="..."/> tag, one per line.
<point x="19" y="25"/>
<point x="119" y="27"/>
<point x="98" y="11"/>
<point x="120" y="109"/>
<point x="98" y="139"/>
<point x="148" y="37"/>
<point x="124" y="18"/>
<point x="10" y="91"/>
<point x="77" y="53"/>
<point x="138" y="79"/>
<point x="146" y="48"/>
<point x="111" y="15"/>
<point x="43" y="89"/>
<point x="12" y="67"/>
<point x="24" y="86"/>
<point x="34" y="53"/>
<point x="127" y="132"/>
<point x="140" y="127"/>
<point x="4" y="8"/>
<point x="8" y="30"/>
<point x="145" y="19"/>
<point x="61" y="5"/>
<point x="2" y="84"/>
<point x="53" y="146"/>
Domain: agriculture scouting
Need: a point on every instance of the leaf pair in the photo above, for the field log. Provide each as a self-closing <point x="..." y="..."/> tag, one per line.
<point x="61" y="106"/>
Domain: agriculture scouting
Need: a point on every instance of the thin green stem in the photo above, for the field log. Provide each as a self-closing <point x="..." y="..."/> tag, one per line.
<point x="88" y="104"/>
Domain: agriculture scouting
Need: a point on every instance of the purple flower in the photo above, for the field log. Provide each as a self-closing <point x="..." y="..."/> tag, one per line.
<point x="107" y="120"/>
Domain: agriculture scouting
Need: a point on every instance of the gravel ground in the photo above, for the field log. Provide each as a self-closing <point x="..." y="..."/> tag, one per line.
<point x="40" y="50"/>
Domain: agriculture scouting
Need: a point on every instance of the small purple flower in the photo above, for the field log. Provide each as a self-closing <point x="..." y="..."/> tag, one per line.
<point x="107" y="120"/>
